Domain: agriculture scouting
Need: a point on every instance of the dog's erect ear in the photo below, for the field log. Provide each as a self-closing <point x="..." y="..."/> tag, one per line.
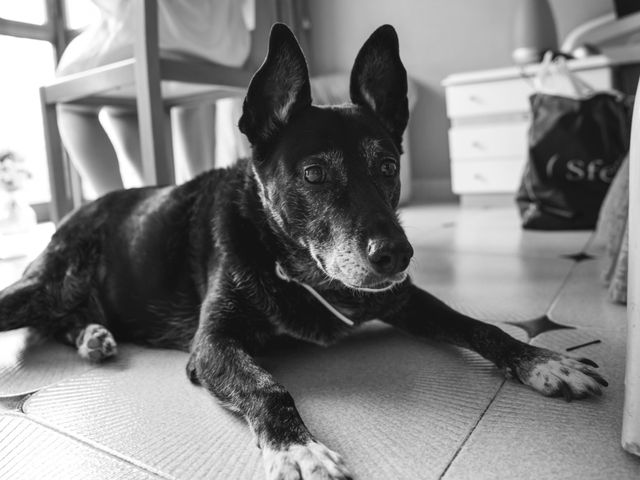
<point x="278" y="90"/>
<point x="379" y="81"/>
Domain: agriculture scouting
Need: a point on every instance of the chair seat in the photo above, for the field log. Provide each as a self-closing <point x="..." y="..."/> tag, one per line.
<point x="180" y="80"/>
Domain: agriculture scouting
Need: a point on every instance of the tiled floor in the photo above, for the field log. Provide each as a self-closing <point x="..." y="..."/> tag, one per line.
<point x="395" y="407"/>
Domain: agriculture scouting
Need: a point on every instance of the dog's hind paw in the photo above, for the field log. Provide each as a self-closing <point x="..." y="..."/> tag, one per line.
<point x="312" y="461"/>
<point x="554" y="374"/>
<point x="95" y="343"/>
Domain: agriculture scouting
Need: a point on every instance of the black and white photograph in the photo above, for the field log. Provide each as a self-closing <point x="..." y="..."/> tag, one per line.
<point x="320" y="239"/>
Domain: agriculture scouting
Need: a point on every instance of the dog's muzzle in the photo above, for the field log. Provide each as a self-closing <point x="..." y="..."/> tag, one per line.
<point x="389" y="257"/>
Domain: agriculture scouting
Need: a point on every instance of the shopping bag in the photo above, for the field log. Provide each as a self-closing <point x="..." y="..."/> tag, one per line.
<point x="577" y="140"/>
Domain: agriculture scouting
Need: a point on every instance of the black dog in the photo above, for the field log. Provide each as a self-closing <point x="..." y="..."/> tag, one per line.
<point x="300" y="241"/>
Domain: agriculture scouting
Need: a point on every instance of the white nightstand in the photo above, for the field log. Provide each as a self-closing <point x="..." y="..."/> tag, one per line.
<point x="489" y="115"/>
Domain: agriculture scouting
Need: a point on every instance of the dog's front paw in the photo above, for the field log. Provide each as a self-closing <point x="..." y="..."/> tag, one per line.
<point x="312" y="461"/>
<point x="554" y="374"/>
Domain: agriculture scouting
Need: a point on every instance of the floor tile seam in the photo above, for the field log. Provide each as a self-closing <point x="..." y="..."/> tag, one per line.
<point x="447" y="248"/>
<point x="565" y="282"/>
<point x="473" y="428"/>
<point x="93" y="445"/>
<point x="556" y="297"/>
<point x="524" y="255"/>
<point x="562" y="287"/>
<point x="28" y="393"/>
<point x="590" y="242"/>
<point x="72" y="375"/>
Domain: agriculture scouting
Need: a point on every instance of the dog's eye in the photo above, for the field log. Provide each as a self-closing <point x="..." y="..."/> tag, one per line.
<point x="388" y="168"/>
<point x="314" y="174"/>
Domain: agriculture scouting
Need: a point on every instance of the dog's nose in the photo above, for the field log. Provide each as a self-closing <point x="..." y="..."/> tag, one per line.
<point x="388" y="257"/>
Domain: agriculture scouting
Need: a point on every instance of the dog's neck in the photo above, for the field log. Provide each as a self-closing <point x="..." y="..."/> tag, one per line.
<point x="282" y="275"/>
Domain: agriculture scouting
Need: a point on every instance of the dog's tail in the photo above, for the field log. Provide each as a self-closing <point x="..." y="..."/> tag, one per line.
<point x="42" y="297"/>
<point x="23" y="304"/>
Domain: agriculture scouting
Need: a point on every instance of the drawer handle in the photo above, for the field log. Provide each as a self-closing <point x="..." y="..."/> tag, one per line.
<point x="479" y="177"/>
<point x="477" y="145"/>
<point x="475" y="99"/>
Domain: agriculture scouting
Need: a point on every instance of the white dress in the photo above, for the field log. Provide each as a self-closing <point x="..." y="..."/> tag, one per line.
<point x="214" y="30"/>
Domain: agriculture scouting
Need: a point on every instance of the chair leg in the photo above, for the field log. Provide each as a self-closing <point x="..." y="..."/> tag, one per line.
<point x="157" y="167"/>
<point x="157" y="158"/>
<point x="168" y="142"/>
<point x="62" y="198"/>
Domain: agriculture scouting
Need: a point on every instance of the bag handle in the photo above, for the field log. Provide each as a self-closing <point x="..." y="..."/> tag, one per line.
<point x="582" y="88"/>
<point x="546" y="70"/>
<point x="558" y="68"/>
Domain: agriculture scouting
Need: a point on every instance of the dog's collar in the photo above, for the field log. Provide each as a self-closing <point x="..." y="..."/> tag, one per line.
<point x="283" y="276"/>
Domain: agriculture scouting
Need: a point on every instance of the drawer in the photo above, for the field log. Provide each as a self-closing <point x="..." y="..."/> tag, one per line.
<point x="490" y="98"/>
<point x="507" y="96"/>
<point x="491" y="141"/>
<point x="487" y="176"/>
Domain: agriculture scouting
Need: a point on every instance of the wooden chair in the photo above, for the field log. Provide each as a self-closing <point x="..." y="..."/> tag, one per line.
<point x="152" y="83"/>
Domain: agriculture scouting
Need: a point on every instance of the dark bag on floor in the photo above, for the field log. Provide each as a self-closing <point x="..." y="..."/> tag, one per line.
<point x="575" y="148"/>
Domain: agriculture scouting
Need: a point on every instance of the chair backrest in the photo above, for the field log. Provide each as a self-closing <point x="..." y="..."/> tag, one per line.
<point x="267" y="12"/>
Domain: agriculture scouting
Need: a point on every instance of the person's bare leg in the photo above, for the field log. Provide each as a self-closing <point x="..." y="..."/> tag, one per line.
<point x="193" y="130"/>
<point x="194" y="139"/>
<point x="121" y="125"/>
<point x="231" y="144"/>
<point x="89" y="149"/>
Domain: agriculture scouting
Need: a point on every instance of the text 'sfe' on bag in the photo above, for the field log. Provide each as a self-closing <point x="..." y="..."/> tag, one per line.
<point x="577" y="140"/>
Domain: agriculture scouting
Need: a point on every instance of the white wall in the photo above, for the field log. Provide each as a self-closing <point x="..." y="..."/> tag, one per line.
<point x="437" y="38"/>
